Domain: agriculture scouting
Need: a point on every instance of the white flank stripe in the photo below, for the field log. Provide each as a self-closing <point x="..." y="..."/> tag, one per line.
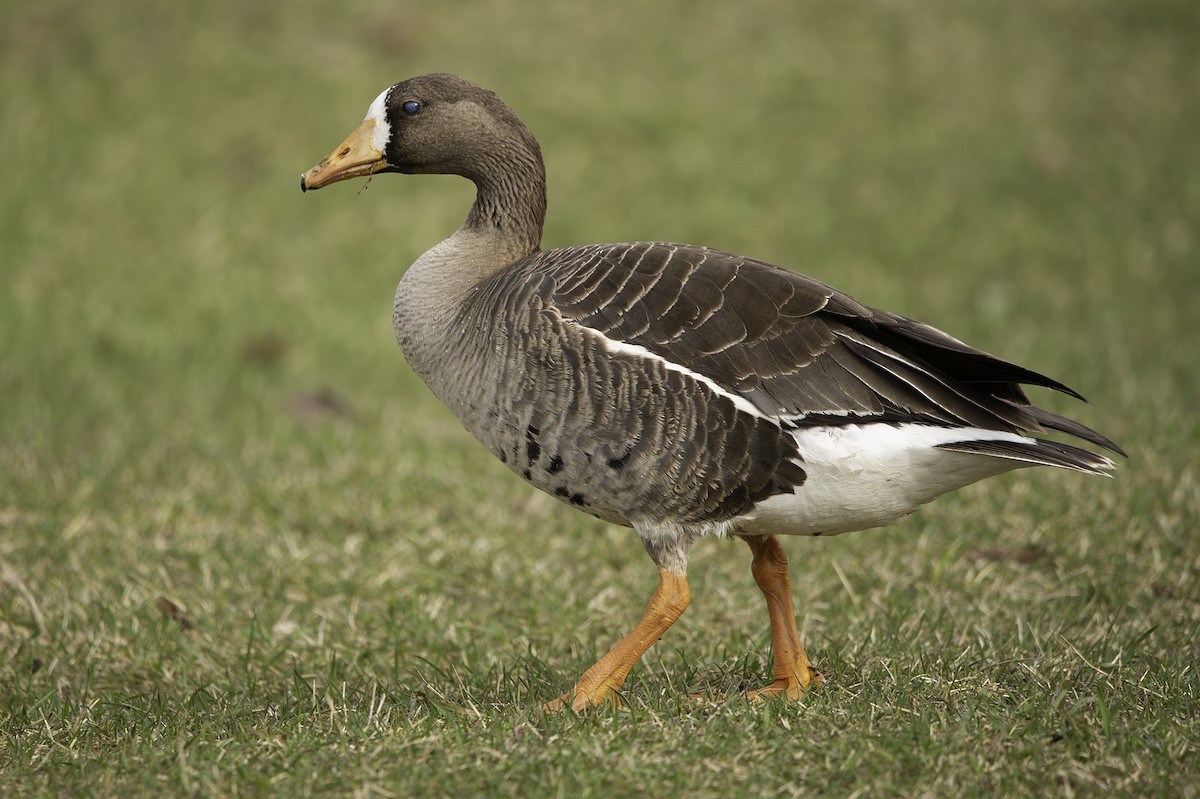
<point x="377" y="113"/>
<point x="740" y="402"/>
<point x="625" y="348"/>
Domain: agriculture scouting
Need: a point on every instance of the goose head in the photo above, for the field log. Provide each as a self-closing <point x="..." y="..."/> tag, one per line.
<point x="439" y="124"/>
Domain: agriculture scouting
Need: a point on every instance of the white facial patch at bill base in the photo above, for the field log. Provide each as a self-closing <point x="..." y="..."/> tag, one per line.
<point x="377" y="113"/>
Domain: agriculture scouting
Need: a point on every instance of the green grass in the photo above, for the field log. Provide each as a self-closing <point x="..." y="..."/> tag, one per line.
<point x="212" y="583"/>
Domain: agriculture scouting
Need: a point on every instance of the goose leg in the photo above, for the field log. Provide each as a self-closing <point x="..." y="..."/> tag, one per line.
<point x="793" y="671"/>
<point x="600" y="683"/>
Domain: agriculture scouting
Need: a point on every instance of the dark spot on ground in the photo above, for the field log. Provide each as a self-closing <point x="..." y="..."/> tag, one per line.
<point x="320" y="403"/>
<point x="174" y="612"/>
<point x="1021" y="555"/>
<point x="265" y="349"/>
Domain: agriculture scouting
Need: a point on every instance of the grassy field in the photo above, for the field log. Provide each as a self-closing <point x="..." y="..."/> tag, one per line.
<point x="244" y="552"/>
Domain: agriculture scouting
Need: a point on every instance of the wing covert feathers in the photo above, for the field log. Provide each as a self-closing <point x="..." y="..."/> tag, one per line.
<point x="800" y="351"/>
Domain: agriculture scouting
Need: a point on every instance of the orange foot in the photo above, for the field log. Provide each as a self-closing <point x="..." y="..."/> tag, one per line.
<point x="791" y="687"/>
<point x="581" y="700"/>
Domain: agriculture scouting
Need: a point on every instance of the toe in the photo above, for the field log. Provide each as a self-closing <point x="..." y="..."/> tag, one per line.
<point x="582" y="700"/>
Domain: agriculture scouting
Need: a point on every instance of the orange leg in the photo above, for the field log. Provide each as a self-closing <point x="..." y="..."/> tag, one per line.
<point x="600" y="683"/>
<point x="793" y="671"/>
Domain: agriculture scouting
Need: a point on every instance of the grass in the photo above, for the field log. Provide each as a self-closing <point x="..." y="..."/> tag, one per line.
<point x="243" y="551"/>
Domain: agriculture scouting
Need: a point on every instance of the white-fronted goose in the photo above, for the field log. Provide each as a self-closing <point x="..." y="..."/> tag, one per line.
<point x="680" y="390"/>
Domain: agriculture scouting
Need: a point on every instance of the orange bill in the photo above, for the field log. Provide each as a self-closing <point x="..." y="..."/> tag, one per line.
<point x="356" y="157"/>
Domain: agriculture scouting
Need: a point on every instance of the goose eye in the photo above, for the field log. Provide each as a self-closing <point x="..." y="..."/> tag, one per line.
<point x="410" y="107"/>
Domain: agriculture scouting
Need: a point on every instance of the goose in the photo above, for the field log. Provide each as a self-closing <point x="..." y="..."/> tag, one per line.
<point x="680" y="390"/>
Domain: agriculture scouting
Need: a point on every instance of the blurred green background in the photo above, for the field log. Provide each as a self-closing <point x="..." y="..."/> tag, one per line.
<point x="224" y="498"/>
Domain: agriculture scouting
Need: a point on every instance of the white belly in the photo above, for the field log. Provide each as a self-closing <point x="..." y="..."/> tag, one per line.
<point x="863" y="476"/>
